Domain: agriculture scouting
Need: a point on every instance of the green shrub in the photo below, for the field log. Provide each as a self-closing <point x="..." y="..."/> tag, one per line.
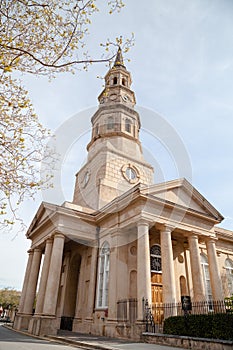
<point x="213" y="326"/>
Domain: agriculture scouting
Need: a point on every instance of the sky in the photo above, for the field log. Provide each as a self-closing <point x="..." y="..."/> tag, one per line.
<point x="182" y="71"/>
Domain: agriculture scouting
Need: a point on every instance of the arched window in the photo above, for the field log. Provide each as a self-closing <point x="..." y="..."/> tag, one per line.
<point x="110" y="123"/>
<point x="206" y="276"/>
<point x="115" y="80"/>
<point x="229" y="275"/>
<point x="97" y="129"/>
<point x="155" y="258"/>
<point x="128" y="125"/>
<point x="103" y="276"/>
<point x="123" y="81"/>
<point x="183" y="286"/>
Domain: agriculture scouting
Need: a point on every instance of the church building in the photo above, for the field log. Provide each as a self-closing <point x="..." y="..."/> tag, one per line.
<point x="123" y="240"/>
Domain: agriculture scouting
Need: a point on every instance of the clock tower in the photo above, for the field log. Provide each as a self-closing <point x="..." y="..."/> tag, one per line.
<point x="115" y="160"/>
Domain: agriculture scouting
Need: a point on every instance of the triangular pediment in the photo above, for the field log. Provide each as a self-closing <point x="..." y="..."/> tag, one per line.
<point x="44" y="212"/>
<point x="181" y="193"/>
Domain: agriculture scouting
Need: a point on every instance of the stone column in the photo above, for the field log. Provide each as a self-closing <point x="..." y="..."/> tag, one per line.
<point x="168" y="277"/>
<point x="81" y="286"/>
<point x="195" y="260"/>
<point x="215" y="278"/>
<point x="44" y="277"/>
<point x="143" y="267"/>
<point x="32" y="282"/>
<point x="92" y="285"/>
<point x="52" y="288"/>
<point x="61" y="310"/>
<point x="26" y="278"/>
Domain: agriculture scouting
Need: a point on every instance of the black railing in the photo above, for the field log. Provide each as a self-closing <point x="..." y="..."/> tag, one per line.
<point x="149" y="317"/>
<point x="158" y="312"/>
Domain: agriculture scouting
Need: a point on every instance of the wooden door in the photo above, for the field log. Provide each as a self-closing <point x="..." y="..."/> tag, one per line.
<point x="157" y="297"/>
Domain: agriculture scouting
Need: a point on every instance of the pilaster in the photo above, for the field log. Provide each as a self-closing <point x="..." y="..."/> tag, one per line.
<point x="113" y="277"/>
<point x="92" y="285"/>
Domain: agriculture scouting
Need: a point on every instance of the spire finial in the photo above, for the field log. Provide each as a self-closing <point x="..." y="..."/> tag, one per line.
<point x="119" y="59"/>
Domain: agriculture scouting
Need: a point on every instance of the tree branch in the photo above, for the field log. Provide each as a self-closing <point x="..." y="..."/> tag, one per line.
<point x="51" y="65"/>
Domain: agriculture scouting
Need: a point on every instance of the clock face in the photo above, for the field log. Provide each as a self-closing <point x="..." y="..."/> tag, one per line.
<point x="125" y="98"/>
<point x="130" y="173"/>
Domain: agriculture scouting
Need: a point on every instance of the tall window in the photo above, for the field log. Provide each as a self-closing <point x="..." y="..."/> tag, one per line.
<point x="103" y="276"/>
<point x="128" y="125"/>
<point x="110" y="123"/>
<point x="206" y="276"/>
<point x="155" y="258"/>
<point x="97" y="129"/>
<point x="229" y="275"/>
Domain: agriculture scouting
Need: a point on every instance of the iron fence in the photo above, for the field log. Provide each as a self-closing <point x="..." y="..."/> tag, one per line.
<point x="158" y="312"/>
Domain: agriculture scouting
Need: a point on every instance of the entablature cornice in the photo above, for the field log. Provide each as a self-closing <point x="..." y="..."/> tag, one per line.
<point x="112" y="134"/>
<point x="67" y="222"/>
<point x="179" y="208"/>
<point x="115" y="107"/>
<point x="156" y="214"/>
<point x="224" y="234"/>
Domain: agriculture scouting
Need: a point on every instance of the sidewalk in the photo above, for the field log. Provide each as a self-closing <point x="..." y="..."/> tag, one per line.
<point x="103" y="343"/>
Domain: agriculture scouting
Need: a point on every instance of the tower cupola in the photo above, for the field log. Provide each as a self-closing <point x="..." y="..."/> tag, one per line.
<point x="116" y="115"/>
<point x="117" y="84"/>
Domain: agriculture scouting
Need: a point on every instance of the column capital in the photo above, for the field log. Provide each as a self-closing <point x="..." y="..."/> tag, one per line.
<point x="193" y="235"/>
<point x="166" y="228"/>
<point x="58" y="235"/>
<point x="211" y="239"/>
<point x="143" y="223"/>
<point x="37" y="250"/>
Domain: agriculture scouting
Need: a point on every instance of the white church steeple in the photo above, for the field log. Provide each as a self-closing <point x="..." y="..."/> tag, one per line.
<point x="108" y="120"/>
<point x="115" y="161"/>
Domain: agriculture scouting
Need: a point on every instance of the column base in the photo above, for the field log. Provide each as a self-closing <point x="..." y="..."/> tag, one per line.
<point x="41" y="325"/>
<point x="21" y="321"/>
